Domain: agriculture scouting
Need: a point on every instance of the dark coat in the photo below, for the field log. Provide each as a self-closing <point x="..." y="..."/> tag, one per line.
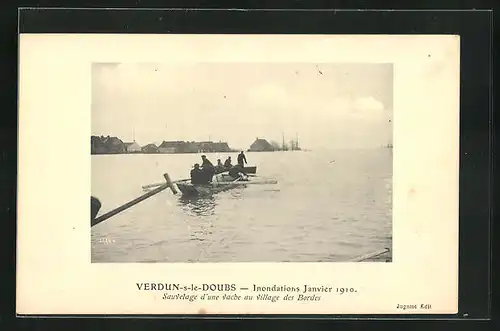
<point x="198" y="177"/>
<point x="241" y="159"/>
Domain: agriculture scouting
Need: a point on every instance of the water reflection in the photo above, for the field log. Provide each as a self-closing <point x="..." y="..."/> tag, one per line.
<point x="199" y="206"/>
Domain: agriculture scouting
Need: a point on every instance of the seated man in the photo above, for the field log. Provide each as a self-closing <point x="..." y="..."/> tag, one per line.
<point x="219" y="167"/>
<point x="228" y="164"/>
<point x="197" y="176"/>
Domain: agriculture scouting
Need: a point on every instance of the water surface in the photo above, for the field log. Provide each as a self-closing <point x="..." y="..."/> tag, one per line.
<point x="327" y="206"/>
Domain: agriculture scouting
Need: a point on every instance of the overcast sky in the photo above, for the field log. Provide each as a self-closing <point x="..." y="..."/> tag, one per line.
<point x="326" y="104"/>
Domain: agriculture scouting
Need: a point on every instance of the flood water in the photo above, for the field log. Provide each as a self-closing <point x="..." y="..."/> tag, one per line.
<point x="327" y="206"/>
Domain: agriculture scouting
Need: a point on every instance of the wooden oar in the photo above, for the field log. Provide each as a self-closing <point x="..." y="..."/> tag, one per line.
<point x="168" y="184"/>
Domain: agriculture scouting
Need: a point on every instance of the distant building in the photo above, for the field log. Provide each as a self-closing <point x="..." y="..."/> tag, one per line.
<point x="132" y="147"/>
<point x="193" y="147"/>
<point x="106" y="145"/>
<point x="114" y="145"/>
<point x="214" y="147"/>
<point x="170" y="146"/>
<point x="261" y="145"/>
<point x="150" y="149"/>
<point x="98" y="145"/>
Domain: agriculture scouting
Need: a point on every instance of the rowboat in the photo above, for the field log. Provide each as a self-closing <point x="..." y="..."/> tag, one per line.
<point x="220" y="182"/>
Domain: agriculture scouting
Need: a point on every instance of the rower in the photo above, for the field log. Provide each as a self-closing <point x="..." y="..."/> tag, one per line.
<point x="219" y="167"/>
<point x="208" y="168"/>
<point x="197" y="176"/>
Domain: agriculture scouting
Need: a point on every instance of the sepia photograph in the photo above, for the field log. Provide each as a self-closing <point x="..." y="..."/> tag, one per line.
<point x="241" y="162"/>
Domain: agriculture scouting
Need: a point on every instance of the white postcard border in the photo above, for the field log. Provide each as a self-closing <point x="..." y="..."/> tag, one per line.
<point x="54" y="273"/>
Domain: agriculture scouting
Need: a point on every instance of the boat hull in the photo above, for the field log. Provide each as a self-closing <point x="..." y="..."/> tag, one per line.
<point x="221" y="182"/>
<point x="250" y="170"/>
<point x="188" y="189"/>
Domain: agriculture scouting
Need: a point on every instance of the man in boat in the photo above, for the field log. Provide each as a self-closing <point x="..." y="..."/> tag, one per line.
<point x="242" y="159"/>
<point x="207" y="168"/>
<point x="219" y="167"/>
<point x="227" y="163"/>
<point x="197" y="176"/>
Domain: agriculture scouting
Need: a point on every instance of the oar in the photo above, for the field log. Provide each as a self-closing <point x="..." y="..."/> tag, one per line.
<point x="168" y="184"/>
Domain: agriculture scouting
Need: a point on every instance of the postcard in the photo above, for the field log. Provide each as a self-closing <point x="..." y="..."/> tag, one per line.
<point x="238" y="174"/>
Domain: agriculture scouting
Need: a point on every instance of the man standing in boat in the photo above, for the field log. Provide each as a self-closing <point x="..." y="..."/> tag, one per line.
<point x="208" y="168"/>
<point x="242" y="159"/>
